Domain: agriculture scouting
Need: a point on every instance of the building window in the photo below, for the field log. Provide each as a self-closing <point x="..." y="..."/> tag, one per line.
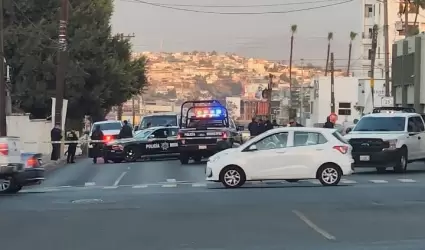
<point x="368" y="10"/>
<point x="344" y="108"/>
<point x="379" y="52"/>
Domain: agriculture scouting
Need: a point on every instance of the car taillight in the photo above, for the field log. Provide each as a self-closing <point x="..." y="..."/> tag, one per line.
<point x="4" y="149"/>
<point x="107" y="138"/>
<point x="341" y="149"/>
<point x="32" y="162"/>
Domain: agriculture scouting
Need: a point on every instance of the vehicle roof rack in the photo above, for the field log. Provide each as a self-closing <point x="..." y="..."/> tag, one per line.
<point x="393" y="110"/>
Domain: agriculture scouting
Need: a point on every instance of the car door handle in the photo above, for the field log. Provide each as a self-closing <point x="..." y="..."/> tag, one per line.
<point x="319" y="149"/>
<point x="419" y="137"/>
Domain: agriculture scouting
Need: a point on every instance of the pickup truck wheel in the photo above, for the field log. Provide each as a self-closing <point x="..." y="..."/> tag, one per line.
<point x="184" y="159"/>
<point x="8" y="185"/>
<point x="402" y="162"/>
<point x="197" y="159"/>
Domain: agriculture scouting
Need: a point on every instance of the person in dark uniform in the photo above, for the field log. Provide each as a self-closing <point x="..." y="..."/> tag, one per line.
<point x="126" y="131"/>
<point x="253" y="128"/>
<point x="72" y="146"/>
<point x="268" y="125"/>
<point x="97" y="135"/>
<point x="261" y="126"/>
<point x="274" y="124"/>
<point x="56" y="136"/>
<point x="328" y="123"/>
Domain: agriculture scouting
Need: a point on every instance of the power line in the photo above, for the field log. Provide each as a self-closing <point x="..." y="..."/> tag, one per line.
<point x="241" y="13"/>
<point x="237" y="6"/>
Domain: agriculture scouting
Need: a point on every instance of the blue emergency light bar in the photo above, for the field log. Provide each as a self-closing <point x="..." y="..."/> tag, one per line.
<point x="209" y="112"/>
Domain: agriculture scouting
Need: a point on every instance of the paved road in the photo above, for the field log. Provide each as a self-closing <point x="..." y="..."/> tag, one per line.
<point x="162" y="205"/>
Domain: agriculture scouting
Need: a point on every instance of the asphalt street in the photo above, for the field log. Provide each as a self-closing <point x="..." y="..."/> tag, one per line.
<point x="162" y="205"/>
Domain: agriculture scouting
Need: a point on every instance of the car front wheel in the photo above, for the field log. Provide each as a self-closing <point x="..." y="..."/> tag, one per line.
<point x="9" y="186"/>
<point x="329" y="175"/>
<point x="232" y="177"/>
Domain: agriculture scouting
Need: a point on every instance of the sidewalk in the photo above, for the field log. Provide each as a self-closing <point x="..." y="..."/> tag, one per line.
<point x="50" y="165"/>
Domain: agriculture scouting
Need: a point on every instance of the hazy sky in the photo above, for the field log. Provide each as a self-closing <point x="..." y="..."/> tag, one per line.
<point x="265" y="36"/>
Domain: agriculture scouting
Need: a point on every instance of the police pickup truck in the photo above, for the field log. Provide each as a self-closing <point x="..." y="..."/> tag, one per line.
<point x="151" y="142"/>
<point x="389" y="139"/>
<point x="205" y="129"/>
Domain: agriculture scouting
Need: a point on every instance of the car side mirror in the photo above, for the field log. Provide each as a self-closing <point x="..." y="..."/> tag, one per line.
<point x="152" y="136"/>
<point x="136" y="128"/>
<point x="240" y="128"/>
<point x="252" y="148"/>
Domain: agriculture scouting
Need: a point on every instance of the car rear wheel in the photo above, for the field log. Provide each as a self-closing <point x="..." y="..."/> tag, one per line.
<point x="130" y="154"/>
<point x="329" y="175"/>
<point x="8" y="185"/>
<point x="232" y="177"/>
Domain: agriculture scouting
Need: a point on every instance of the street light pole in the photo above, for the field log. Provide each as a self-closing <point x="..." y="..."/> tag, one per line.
<point x="387" y="50"/>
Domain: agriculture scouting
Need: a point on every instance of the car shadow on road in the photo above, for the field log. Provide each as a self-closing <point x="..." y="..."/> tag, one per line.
<point x="390" y="172"/>
<point x="265" y="186"/>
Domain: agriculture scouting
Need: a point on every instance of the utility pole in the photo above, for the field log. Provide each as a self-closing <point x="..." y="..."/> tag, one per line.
<point x="406" y="17"/>
<point x="332" y="84"/>
<point x="62" y="62"/>
<point x="133" y="110"/>
<point x="3" y="129"/>
<point x="302" y="93"/>
<point x="387" y="50"/>
<point x="372" y="62"/>
<point x="269" y="96"/>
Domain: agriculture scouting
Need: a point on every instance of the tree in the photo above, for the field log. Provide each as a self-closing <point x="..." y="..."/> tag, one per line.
<point x="350" y="46"/>
<point x="232" y="109"/>
<point x="419" y="4"/>
<point x="100" y="73"/>
<point x="214" y="53"/>
<point x="330" y="37"/>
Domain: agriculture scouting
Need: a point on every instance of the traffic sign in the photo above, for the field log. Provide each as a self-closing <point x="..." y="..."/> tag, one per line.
<point x="387" y="101"/>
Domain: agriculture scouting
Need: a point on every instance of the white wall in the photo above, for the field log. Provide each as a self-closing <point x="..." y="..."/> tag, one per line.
<point x="345" y="89"/>
<point x="34" y="134"/>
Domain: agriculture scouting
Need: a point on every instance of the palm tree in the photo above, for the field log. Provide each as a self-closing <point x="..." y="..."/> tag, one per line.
<point x="419" y="4"/>
<point x="330" y="37"/>
<point x="293" y="31"/>
<point x="350" y="46"/>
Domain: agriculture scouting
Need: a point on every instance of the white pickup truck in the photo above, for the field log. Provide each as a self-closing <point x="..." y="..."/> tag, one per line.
<point x="384" y="140"/>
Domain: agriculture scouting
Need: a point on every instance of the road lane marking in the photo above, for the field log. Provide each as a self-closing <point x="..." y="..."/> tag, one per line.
<point x="140" y="186"/>
<point x="345" y="181"/>
<point x="378" y="181"/>
<point x="89" y="184"/>
<point x="406" y="180"/>
<point x="169" y="185"/>
<point x="313" y="226"/>
<point x="110" y="187"/>
<point x="199" y="185"/>
<point x="119" y="179"/>
<point x="171" y="180"/>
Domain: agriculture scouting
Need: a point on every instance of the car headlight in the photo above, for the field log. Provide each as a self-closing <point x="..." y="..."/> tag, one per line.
<point x="392" y="144"/>
<point x="213" y="158"/>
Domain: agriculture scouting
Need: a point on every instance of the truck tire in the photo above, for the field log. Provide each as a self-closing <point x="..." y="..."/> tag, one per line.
<point x="184" y="159"/>
<point x="401" y="165"/>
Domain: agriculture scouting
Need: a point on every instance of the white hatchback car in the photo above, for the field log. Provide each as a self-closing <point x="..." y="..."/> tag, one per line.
<point x="289" y="153"/>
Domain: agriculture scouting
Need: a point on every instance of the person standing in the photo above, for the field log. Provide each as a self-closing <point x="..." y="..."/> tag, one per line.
<point x="97" y="135"/>
<point x="126" y="131"/>
<point x="56" y="137"/>
<point x="328" y="123"/>
<point x="253" y="128"/>
<point x="72" y="146"/>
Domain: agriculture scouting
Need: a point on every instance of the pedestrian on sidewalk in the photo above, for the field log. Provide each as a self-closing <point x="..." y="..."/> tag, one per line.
<point x="72" y="146"/>
<point x="56" y="137"/>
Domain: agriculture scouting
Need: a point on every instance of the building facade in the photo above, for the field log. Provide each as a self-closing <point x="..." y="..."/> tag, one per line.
<point x="373" y="13"/>
<point x="408" y="77"/>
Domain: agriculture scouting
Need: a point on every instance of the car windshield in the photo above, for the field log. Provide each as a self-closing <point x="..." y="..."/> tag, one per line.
<point x="108" y="126"/>
<point x="143" y="133"/>
<point x="160" y="120"/>
<point x="380" y="124"/>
